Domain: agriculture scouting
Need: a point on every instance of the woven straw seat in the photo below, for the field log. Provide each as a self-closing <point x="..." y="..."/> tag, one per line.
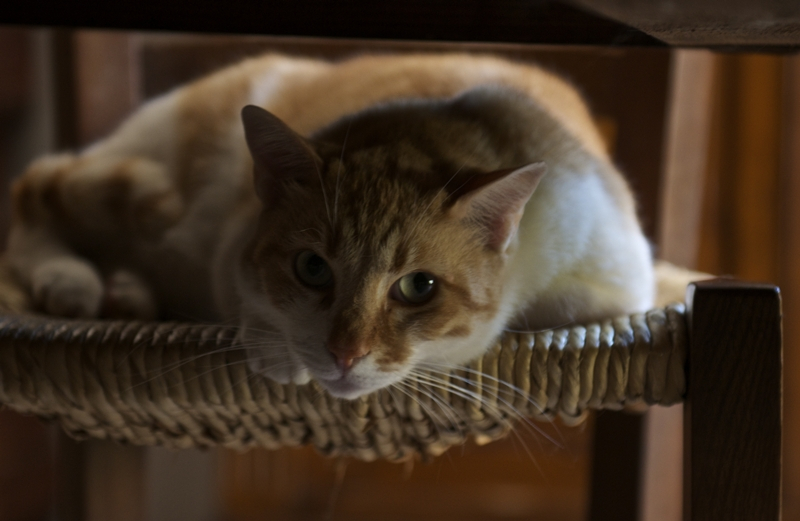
<point x="183" y="385"/>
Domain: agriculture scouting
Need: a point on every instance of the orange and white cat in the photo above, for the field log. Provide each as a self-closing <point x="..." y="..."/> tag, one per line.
<point x="382" y="214"/>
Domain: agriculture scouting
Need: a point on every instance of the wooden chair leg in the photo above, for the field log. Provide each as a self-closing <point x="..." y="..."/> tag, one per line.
<point x="616" y="467"/>
<point x="69" y="486"/>
<point x="733" y="412"/>
<point x="634" y="466"/>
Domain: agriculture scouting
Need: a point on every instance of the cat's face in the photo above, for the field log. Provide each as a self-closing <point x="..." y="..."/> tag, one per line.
<point x="368" y="268"/>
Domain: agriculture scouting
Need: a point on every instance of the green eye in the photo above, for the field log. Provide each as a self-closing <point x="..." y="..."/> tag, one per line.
<point x="415" y="288"/>
<point x="312" y="270"/>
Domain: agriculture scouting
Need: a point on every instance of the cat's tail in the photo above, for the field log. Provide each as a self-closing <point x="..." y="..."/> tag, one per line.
<point x="96" y="193"/>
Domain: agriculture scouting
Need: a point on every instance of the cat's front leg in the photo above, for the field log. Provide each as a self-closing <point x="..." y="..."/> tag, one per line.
<point x="67" y="286"/>
<point x="60" y="282"/>
<point x="72" y="287"/>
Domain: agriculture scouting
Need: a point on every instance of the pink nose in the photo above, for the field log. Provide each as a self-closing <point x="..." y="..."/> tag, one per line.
<point x="347" y="354"/>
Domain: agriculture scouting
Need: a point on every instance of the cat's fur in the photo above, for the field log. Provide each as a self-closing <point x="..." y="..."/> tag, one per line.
<point x="412" y="163"/>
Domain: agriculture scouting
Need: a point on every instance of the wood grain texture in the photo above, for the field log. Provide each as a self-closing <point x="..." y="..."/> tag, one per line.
<point x="742" y="219"/>
<point x="686" y="150"/>
<point x="732" y="421"/>
<point x="709" y="22"/>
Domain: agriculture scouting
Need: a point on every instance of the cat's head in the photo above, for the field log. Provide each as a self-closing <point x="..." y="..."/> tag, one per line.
<point x="376" y="254"/>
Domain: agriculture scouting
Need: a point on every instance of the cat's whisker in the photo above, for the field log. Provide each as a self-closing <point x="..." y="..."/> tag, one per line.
<point x="165" y="369"/>
<point x="532" y="429"/>
<point x="150" y="377"/>
<point x="338" y="171"/>
<point x="447" y="409"/>
<point x="233" y="347"/>
<point x="527" y="422"/>
<point x="444" y="187"/>
<point x="470" y="396"/>
<point x="407" y="392"/>
<point x="324" y="194"/>
<point x="502" y="384"/>
<point x="447" y="370"/>
<point x="257" y="330"/>
<point x="457" y="421"/>
<point x="515" y="391"/>
<point x="459" y="391"/>
<point x="470" y="178"/>
<point x="172" y="330"/>
<point x="516" y="435"/>
<point x="477" y="398"/>
<point x="209" y="371"/>
<point x="431" y="414"/>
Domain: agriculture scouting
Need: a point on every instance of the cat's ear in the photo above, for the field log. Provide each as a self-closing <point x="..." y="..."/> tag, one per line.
<point x="495" y="201"/>
<point x="279" y="153"/>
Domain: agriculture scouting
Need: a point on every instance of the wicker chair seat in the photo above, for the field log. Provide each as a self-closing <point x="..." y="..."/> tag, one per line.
<point x="187" y="385"/>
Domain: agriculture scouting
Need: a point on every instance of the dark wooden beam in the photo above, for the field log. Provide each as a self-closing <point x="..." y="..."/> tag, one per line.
<point x="733" y="411"/>
<point x="616" y="467"/>
<point x="513" y="21"/>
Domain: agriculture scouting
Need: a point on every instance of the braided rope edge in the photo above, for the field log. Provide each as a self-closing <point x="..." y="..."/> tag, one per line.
<point x="181" y="386"/>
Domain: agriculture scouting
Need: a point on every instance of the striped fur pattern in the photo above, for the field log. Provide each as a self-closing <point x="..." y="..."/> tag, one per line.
<point x="486" y="177"/>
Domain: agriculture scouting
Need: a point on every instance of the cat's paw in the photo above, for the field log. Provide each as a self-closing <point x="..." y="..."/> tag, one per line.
<point x="67" y="287"/>
<point x="276" y="364"/>
<point x="127" y="296"/>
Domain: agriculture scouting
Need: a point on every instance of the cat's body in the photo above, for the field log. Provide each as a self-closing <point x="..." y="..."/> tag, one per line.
<point x="318" y="261"/>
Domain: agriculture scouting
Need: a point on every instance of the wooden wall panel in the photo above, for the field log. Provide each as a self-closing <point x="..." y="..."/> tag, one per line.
<point x="107" y="80"/>
<point x="26" y="449"/>
<point x="14" y="69"/>
<point x="741" y="221"/>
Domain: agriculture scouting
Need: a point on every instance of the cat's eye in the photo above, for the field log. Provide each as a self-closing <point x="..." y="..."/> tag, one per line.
<point x="415" y="288"/>
<point x="312" y="270"/>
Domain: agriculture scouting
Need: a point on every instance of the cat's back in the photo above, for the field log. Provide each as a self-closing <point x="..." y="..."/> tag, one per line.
<point x="361" y="82"/>
<point x="309" y="94"/>
<point x="199" y="124"/>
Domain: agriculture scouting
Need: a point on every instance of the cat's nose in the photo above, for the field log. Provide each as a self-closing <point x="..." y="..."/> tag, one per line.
<point x="346" y="354"/>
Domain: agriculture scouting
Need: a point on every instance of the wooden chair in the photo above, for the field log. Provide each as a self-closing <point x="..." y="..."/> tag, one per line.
<point x="732" y="414"/>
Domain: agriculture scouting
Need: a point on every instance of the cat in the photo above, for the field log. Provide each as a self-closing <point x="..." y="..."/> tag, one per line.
<point x="358" y="220"/>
